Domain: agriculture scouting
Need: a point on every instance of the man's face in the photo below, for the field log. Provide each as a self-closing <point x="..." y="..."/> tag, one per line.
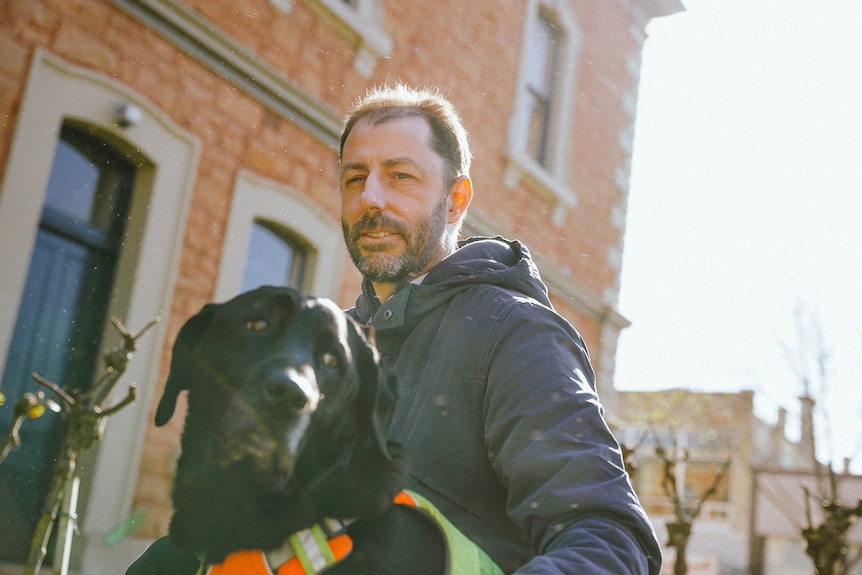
<point x="393" y="199"/>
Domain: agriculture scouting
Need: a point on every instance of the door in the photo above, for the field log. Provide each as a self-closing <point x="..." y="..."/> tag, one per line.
<point x="58" y="331"/>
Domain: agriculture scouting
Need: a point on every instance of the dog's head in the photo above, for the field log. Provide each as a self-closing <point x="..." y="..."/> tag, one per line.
<point x="285" y="393"/>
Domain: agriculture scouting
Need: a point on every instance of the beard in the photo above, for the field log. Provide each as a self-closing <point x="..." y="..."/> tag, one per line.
<point x="424" y="241"/>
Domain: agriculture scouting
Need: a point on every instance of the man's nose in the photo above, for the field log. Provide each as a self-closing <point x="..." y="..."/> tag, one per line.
<point x="373" y="196"/>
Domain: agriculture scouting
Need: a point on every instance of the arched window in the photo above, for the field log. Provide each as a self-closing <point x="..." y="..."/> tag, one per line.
<point x="274" y="257"/>
<point x="278" y="236"/>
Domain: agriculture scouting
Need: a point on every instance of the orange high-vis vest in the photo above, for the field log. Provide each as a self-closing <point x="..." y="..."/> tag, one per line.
<point x="314" y="551"/>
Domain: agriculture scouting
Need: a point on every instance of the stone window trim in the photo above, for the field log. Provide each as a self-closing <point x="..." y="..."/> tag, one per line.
<point x="359" y="21"/>
<point x="551" y="180"/>
<point x="258" y="198"/>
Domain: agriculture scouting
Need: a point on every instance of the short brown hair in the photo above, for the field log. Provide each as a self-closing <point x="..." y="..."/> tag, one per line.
<point x="384" y="103"/>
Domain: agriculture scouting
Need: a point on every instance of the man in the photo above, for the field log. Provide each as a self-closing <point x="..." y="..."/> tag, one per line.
<point x="498" y="409"/>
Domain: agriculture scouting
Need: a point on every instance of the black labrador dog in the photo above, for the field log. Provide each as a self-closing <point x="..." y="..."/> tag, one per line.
<point x="288" y="407"/>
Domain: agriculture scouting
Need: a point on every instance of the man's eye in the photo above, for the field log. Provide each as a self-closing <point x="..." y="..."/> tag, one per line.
<point x="402" y="176"/>
<point x="353" y="180"/>
<point x="330" y="360"/>
<point x="257" y="325"/>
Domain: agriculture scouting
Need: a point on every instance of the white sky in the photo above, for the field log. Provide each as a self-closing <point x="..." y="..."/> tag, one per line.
<point x="746" y="197"/>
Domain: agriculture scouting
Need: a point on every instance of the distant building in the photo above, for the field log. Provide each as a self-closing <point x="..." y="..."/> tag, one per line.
<point x="752" y="525"/>
<point x="159" y="154"/>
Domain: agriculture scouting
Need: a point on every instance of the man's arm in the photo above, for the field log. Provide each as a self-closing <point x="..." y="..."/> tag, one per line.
<point x="568" y="492"/>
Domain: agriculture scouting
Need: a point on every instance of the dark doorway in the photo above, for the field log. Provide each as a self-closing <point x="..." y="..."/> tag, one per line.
<point x="58" y="331"/>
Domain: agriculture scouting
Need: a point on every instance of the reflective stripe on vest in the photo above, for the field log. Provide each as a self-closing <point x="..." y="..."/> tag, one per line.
<point x="313" y="551"/>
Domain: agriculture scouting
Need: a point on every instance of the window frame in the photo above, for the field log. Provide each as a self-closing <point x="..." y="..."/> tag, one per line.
<point x="551" y="179"/>
<point x="258" y="198"/>
<point x="297" y="270"/>
<point x="541" y="92"/>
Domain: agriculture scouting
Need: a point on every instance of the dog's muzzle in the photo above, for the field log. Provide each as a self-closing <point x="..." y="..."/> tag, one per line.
<point x="268" y="427"/>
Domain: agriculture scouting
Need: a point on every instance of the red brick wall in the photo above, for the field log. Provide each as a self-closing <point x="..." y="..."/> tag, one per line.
<point x="473" y="50"/>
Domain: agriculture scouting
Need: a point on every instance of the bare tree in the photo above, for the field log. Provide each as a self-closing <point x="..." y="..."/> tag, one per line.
<point x="685" y="510"/>
<point x="630" y="454"/>
<point x="826" y="543"/>
<point x="810" y="359"/>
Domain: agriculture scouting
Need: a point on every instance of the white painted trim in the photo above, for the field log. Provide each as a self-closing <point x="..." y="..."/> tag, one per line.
<point x="258" y="197"/>
<point x="551" y="180"/>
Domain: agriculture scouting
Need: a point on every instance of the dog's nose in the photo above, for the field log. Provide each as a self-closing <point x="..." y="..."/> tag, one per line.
<point x="290" y="388"/>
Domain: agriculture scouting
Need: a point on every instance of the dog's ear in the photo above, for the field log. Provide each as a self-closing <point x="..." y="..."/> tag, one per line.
<point x="181" y="361"/>
<point x="378" y="389"/>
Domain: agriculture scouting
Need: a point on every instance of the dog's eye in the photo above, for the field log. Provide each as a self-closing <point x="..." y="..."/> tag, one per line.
<point x="330" y="360"/>
<point x="257" y="325"/>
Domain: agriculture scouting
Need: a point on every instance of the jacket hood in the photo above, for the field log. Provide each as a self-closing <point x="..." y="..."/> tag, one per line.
<point x="478" y="260"/>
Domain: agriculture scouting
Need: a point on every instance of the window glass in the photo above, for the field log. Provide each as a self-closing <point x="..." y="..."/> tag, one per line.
<point x="540" y="86"/>
<point x="88" y="182"/>
<point x="273" y="258"/>
<point x="72" y="186"/>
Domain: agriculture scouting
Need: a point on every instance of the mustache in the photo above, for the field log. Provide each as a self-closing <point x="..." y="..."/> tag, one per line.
<point x="375" y="221"/>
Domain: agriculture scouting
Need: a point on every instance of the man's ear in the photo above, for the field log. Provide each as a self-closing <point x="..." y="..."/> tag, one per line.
<point x="460" y="196"/>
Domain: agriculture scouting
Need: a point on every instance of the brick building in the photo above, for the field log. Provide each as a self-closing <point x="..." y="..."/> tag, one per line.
<point x="153" y="153"/>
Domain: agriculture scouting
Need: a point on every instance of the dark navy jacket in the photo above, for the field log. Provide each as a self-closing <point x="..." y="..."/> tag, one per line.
<point x="500" y="418"/>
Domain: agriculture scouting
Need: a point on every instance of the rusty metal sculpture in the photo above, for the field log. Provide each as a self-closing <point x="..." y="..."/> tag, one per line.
<point x="84" y="423"/>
